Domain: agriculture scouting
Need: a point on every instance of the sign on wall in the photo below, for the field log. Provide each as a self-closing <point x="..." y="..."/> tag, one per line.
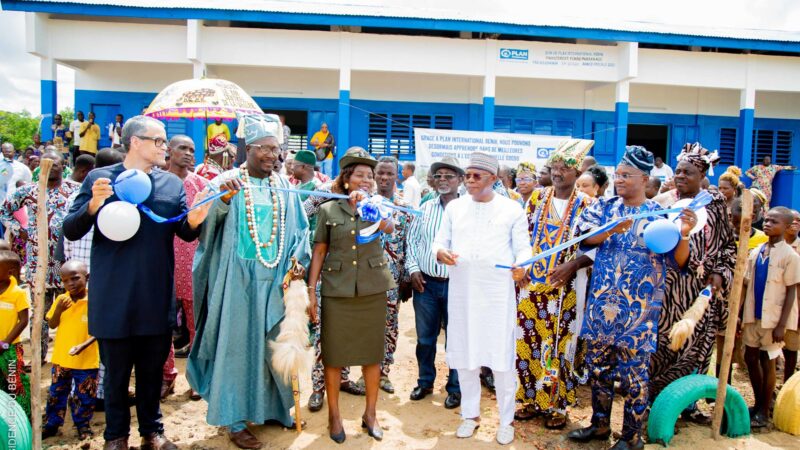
<point x="510" y="149"/>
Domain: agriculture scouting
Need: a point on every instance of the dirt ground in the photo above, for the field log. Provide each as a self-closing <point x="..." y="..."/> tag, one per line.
<point x="407" y="424"/>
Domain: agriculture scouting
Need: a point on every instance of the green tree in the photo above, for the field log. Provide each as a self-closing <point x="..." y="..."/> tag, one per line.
<point x="18" y="128"/>
<point x="67" y="116"/>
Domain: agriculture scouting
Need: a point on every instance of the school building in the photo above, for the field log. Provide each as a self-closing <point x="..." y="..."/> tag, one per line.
<point x="375" y="69"/>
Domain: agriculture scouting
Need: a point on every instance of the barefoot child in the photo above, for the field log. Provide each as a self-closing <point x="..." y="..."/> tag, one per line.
<point x="792" y="338"/>
<point x="14" y="306"/>
<point x="773" y="272"/>
<point x="69" y="315"/>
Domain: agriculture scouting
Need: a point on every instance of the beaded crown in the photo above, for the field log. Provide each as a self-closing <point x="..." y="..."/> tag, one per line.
<point x="571" y="152"/>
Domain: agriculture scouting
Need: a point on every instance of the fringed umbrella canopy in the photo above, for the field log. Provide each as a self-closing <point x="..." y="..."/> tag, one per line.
<point x="204" y="98"/>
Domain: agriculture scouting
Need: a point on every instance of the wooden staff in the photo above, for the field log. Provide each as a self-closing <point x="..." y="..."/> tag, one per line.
<point x="42" y="226"/>
<point x="734" y="302"/>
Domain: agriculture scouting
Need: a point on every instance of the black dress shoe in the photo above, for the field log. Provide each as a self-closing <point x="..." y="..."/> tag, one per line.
<point x="637" y="444"/>
<point x="183" y="352"/>
<point x="589" y="433"/>
<point x="374" y="432"/>
<point x="487" y="380"/>
<point x="315" y="401"/>
<point x="420" y="392"/>
<point x="453" y="400"/>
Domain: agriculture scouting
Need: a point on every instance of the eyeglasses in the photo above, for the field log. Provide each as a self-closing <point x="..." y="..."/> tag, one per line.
<point x="626" y="176"/>
<point x="446" y="177"/>
<point x="475" y="175"/>
<point x="525" y="180"/>
<point x="159" y="142"/>
<point x="275" y="151"/>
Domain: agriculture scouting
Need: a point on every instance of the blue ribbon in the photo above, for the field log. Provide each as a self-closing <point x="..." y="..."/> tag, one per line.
<point x="595" y="232"/>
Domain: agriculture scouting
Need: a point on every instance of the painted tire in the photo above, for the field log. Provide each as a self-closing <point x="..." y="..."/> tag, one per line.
<point x="13" y="420"/>
<point x="785" y="415"/>
<point x="685" y="391"/>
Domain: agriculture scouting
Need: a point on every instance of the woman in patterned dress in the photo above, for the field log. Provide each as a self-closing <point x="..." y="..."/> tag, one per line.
<point x="763" y="175"/>
<point x="546" y="307"/>
<point x="711" y="260"/>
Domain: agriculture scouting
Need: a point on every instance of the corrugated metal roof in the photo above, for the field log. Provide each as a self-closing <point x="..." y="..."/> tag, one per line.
<point x="767" y="20"/>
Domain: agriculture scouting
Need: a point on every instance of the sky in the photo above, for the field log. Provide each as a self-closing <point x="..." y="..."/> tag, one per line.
<point x="19" y="71"/>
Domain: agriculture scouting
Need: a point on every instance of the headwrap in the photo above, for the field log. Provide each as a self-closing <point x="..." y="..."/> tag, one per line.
<point x="571" y="152"/>
<point x="483" y="161"/>
<point x="638" y="157"/>
<point x="220" y="144"/>
<point x="253" y="127"/>
<point x="698" y="156"/>
<point x="526" y="167"/>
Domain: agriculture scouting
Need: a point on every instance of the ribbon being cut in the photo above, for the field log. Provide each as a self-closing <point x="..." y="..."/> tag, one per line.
<point x="120" y="222"/>
<point x="700" y="201"/>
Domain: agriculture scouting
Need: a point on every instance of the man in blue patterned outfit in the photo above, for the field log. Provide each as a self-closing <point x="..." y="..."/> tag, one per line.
<point x="621" y="319"/>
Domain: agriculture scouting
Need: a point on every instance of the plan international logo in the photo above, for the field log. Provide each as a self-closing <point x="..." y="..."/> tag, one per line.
<point x="515" y="54"/>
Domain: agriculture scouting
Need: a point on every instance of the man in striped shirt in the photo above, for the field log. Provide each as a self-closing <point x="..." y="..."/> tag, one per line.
<point x="430" y="280"/>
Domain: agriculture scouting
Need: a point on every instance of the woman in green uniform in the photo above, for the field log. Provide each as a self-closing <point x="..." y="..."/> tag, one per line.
<point x="355" y="279"/>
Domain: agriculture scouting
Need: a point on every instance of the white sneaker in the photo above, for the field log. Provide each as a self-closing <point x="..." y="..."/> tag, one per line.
<point x="505" y="435"/>
<point x="467" y="428"/>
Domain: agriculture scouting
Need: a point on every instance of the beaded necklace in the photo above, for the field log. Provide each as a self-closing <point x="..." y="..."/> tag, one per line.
<point x="278" y="219"/>
<point x="541" y="224"/>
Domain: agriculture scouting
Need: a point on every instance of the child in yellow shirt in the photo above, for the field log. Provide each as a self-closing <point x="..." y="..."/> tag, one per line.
<point x="14" y="306"/>
<point x="75" y="355"/>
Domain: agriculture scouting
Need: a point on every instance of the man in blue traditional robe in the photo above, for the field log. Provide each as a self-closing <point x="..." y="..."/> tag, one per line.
<point x="245" y="251"/>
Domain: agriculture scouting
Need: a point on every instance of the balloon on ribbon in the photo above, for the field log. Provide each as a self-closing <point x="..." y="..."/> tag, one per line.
<point x="661" y="235"/>
<point x="119" y="221"/>
<point x="133" y="186"/>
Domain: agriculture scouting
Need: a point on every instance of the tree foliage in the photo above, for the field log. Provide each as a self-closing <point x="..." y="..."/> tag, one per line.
<point x="18" y="128"/>
<point x="67" y="116"/>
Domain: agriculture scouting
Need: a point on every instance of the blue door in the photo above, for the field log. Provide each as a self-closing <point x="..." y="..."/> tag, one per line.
<point x="681" y="134"/>
<point x="104" y="116"/>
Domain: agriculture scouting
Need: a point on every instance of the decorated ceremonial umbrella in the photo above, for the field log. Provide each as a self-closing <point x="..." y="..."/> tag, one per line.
<point x="203" y="98"/>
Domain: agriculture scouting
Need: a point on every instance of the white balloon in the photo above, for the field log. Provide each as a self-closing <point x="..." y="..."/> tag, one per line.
<point x="119" y="220"/>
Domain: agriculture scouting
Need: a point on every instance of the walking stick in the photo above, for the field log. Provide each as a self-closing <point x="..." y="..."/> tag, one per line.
<point x="734" y="302"/>
<point x="289" y="349"/>
<point x="42" y="225"/>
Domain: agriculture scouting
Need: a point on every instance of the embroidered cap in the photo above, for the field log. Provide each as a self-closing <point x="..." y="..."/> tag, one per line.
<point x="306" y="157"/>
<point x="483" y="161"/>
<point x="253" y="127"/>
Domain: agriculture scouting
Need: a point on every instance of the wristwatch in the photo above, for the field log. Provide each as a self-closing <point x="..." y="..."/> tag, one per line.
<point x="4" y="345"/>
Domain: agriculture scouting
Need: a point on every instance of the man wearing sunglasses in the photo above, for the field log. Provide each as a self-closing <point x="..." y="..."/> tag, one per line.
<point x="478" y="231"/>
<point x="429" y="280"/>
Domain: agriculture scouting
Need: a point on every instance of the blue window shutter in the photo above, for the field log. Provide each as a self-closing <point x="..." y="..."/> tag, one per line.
<point x="378" y="134"/>
<point x="522" y="126"/>
<point x="502" y="124"/>
<point x="544" y="127"/>
<point x="783" y="148"/>
<point x="564" y="128"/>
<point x="727" y="146"/>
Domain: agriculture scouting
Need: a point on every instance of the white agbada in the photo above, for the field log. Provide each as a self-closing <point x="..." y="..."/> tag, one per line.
<point x="481" y="304"/>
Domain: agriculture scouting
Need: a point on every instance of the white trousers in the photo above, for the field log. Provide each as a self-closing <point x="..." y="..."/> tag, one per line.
<point x="505" y="384"/>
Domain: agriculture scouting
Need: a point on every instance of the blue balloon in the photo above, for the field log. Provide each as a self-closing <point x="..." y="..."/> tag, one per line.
<point x="133" y="186"/>
<point x="662" y="236"/>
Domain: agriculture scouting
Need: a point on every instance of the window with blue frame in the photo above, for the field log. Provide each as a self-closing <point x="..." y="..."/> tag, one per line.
<point x="776" y="144"/>
<point x="727" y="146"/>
<point x="522" y="125"/>
<point x="393" y="134"/>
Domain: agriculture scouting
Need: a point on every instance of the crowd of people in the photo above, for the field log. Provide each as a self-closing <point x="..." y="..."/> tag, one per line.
<point x="594" y="313"/>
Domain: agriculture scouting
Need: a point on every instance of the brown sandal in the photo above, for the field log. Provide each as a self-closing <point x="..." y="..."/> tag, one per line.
<point x="555" y="421"/>
<point x="526" y="413"/>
